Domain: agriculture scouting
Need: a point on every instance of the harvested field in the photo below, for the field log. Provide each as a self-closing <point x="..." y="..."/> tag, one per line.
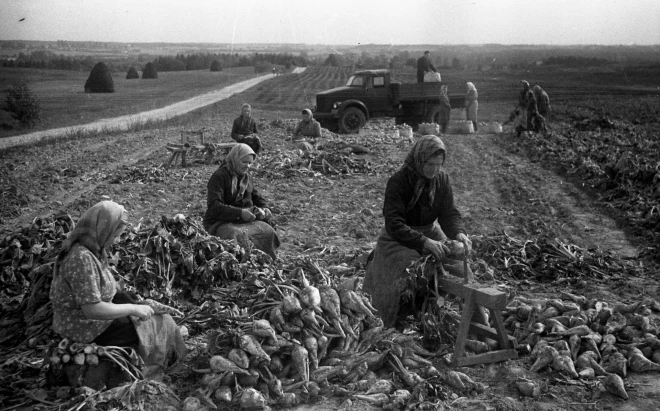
<point x="545" y="213"/>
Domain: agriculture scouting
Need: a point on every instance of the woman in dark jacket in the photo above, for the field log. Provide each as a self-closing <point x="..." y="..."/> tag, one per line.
<point x="244" y="130"/>
<point x="235" y="207"/>
<point x="419" y="215"/>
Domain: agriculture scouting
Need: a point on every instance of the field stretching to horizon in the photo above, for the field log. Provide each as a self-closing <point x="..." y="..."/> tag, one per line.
<point x="64" y="102"/>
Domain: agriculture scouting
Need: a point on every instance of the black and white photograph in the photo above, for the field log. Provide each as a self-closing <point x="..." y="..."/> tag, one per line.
<point x="329" y="205"/>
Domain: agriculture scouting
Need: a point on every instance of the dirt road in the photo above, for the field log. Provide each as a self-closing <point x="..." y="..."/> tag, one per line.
<point x="129" y="121"/>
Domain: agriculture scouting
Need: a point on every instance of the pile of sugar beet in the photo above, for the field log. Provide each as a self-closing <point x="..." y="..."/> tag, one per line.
<point x="294" y="332"/>
<point x="585" y="339"/>
<point x="304" y="342"/>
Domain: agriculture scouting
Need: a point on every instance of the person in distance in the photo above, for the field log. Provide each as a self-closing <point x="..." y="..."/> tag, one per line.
<point x="234" y="206"/>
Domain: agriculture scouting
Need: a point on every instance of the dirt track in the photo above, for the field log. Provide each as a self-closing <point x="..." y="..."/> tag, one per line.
<point x="127" y="122"/>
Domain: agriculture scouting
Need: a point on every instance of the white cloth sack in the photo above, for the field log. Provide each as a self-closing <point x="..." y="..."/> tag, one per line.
<point x="431" y="77"/>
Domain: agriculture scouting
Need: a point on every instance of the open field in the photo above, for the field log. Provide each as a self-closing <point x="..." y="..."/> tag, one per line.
<point x="64" y="102"/>
<point x="524" y="200"/>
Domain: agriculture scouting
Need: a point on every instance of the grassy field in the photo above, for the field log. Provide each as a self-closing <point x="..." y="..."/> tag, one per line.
<point x="64" y="102"/>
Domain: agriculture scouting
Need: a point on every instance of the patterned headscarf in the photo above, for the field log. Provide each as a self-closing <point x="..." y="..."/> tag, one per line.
<point x="94" y="229"/>
<point x="309" y="112"/>
<point x="239" y="183"/>
<point x="425" y="148"/>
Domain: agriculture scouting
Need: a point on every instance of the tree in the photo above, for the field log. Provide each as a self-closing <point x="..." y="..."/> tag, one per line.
<point x="215" y="66"/>
<point x="23" y="103"/>
<point x="332" y="60"/>
<point x="132" y="73"/>
<point x="100" y="80"/>
<point x="149" y="71"/>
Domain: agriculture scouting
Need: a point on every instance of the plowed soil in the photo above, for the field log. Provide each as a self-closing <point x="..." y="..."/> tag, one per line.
<point x="337" y="217"/>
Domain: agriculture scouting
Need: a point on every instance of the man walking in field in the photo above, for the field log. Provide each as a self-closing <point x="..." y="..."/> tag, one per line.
<point x="424" y="65"/>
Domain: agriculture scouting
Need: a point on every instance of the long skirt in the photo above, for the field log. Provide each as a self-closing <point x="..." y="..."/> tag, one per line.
<point x="385" y="277"/>
<point x="157" y="341"/>
<point x="445" y="114"/>
<point x="260" y="233"/>
<point x="471" y="113"/>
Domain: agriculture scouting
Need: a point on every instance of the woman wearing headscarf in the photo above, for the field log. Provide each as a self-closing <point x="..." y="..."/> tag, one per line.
<point x="307" y="127"/>
<point x="527" y="105"/>
<point x="419" y="214"/>
<point x="234" y="206"/>
<point x="88" y="305"/>
<point x="244" y="129"/>
<point x="445" y="109"/>
<point x="471" y="104"/>
<point x="542" y="101"/>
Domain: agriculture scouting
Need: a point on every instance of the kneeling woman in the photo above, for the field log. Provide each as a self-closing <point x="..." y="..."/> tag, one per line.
<point x="419" y="214"/>
<point x="88" y="306"/>
<point x="234" y="206"/>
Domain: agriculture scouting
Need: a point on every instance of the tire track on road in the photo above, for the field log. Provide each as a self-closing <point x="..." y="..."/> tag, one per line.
<point x="129" y="121"/>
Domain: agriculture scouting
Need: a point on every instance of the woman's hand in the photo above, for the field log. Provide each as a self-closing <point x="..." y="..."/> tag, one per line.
<point x="143" y="312"/>
<point x="463" y="238"/>
<point x="436" y="248"/>
<point x="267" y="214"/>
<point x="247" y="216"/>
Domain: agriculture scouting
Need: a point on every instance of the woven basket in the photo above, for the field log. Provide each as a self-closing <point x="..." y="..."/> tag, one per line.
<point x="490" y="128"/>
<point x="429" y="129"/>
<point x="406" y="132"/>
<point x="460" y="127"/>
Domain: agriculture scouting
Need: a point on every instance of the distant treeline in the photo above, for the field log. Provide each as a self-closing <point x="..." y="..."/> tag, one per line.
<point x="574" y="61"/>
<point x="181" y="62"/>
<point x="486" y="57"/>
<point x="202" y="61"/>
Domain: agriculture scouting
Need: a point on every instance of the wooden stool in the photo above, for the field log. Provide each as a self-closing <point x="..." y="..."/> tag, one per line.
<point x="182" y="148"/>
<point x="473" y="296"/>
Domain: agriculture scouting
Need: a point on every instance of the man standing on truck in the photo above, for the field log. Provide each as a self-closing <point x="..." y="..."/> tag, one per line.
<point x="424" y="65"/>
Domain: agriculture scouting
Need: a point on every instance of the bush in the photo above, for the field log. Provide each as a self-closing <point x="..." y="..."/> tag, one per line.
<point x="215" y="66"/>
<point x="23" y="104"/>
<point x="149" y="71"/>
<point x="132" y="73"/>
<point x="100" y="80"/>
<point x="262" y="67"/>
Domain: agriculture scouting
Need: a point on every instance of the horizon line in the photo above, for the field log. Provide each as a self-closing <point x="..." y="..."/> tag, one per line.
<point x="345" y="45"/>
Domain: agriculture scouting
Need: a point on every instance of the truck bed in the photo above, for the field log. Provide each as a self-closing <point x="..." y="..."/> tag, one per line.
<point x="418" y="91"/>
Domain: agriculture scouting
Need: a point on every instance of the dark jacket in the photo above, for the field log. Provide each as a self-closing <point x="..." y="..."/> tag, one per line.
<point x="238" y="130"/>
<point x="424" y="64"/>
<point x="399" y="191"/>
<point x="221" y="205"/>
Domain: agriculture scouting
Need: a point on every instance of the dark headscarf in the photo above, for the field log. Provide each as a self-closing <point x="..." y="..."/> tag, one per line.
<point x="425" y="148"/>
<point x="246" y="119"/>
<point x="239" y="183"/>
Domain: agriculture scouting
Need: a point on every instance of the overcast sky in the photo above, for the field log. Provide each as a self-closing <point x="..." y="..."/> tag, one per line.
<point x="556" y="22"/>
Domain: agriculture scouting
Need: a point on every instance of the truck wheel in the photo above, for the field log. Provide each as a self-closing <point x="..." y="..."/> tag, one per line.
<point x="330" y="125"/>
<point x="352" y="120"/>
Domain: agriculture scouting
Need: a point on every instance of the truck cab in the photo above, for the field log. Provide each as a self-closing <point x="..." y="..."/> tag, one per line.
<point x="371" y="93"/>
